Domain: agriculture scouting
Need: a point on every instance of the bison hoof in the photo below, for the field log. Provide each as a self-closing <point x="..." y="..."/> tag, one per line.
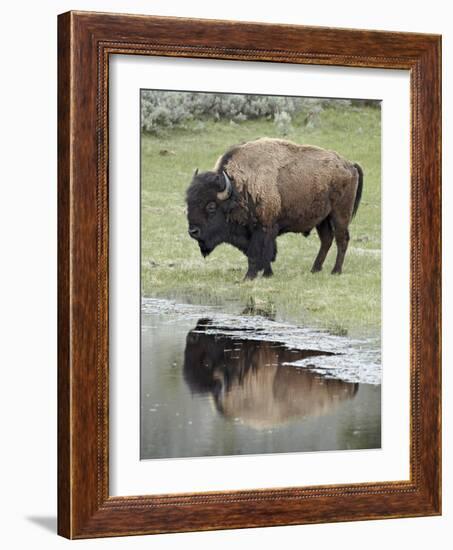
<point x="336" y="271"/>
<point x="250" y="276"/>
<point x="316" y="269"/>
<point x="268" y="273"/>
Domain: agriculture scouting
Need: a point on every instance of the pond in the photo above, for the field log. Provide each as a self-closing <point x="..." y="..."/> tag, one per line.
<point x="216" y="383"/>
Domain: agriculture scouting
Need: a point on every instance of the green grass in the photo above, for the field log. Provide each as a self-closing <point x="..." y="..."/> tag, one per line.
<point x="173" y="267"/>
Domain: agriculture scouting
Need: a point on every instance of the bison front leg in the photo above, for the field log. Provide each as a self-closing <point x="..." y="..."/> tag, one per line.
<point x="252" y="270"/>
<point x="261" y="252"/>
<point x="270" y="256"/>
<point x="255" y="267"/>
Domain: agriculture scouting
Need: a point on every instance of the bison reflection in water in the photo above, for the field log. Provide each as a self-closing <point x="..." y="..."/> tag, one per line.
<point x="251" y="381"/>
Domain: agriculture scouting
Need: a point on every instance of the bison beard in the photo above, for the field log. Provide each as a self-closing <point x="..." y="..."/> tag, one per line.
<point x="205" y="251"/>
<point x="267" y="187"/>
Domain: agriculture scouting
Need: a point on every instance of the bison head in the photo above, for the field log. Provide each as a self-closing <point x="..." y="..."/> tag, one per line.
<point x="209" y="199"/>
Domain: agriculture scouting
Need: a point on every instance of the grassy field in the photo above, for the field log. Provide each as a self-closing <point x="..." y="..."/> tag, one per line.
<point x="173" y="267"/>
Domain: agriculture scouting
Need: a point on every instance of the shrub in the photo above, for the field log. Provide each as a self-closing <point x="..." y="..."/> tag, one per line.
<point x="282" y="122"/>
<point x="165" y="110"/>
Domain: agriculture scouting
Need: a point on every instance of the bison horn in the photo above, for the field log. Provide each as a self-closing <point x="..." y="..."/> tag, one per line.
<point x="195" y="173"/>
<point x="226" y="193"/>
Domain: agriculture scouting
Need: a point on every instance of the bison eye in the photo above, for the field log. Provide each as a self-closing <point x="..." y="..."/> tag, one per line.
<point x="211" y="207"/>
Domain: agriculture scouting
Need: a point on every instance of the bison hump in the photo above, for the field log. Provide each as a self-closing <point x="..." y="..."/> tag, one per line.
<point x="254" y="170"/>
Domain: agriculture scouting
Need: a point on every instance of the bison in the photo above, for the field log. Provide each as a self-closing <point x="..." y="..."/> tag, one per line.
<point x="264" y="188"/>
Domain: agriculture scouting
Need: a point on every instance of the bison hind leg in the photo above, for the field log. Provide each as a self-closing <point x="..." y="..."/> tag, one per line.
<point x="342" y="240"/>
<point x="325" y="233"/>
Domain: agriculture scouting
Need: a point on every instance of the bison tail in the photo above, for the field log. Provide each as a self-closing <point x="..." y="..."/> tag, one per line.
<point x="358" y="194"/>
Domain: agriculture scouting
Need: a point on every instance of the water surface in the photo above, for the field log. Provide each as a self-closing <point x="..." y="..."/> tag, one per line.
<point x="215" y="383"/>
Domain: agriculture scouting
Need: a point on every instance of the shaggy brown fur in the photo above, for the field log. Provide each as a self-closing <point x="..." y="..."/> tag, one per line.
<point x="288" y="180"/>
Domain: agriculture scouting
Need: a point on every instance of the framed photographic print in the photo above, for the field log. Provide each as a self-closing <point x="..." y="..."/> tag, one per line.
<point x="249" y="275"/>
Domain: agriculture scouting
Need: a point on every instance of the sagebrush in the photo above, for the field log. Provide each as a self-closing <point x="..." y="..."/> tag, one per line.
<point x="162" y="110"/>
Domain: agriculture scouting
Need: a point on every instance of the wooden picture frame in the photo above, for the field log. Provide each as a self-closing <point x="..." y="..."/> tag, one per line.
<point x="85" y="42"/>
